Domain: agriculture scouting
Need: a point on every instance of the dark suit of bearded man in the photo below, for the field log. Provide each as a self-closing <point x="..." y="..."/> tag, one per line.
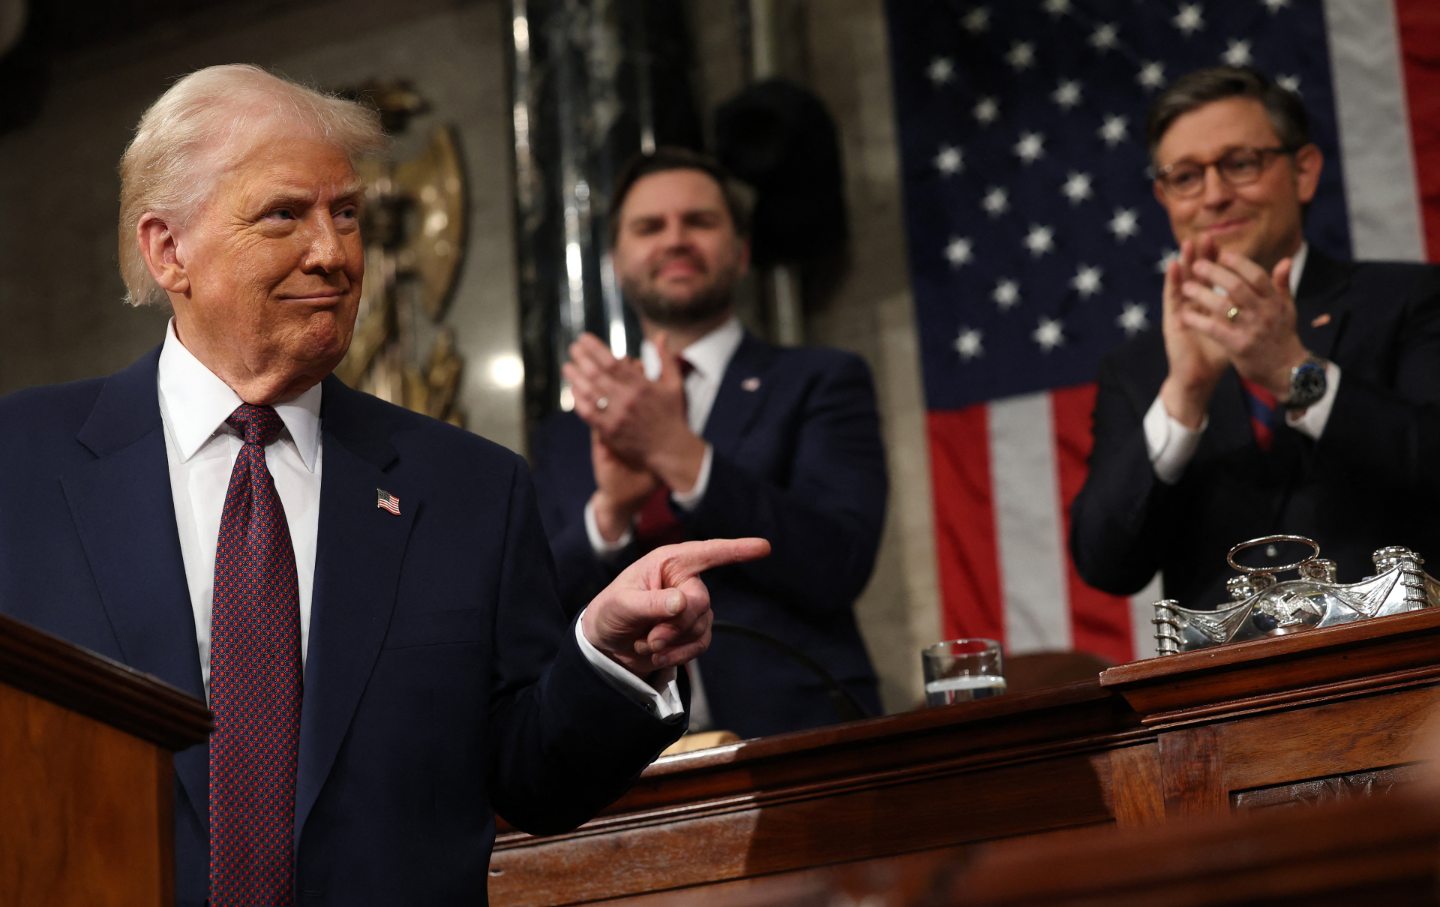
<point x="798" y="460"/>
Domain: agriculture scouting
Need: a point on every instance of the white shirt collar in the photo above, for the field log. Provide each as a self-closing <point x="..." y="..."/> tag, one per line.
<point x="196" y="404"/>
<point x="708" y="356"/>
<point x="1297" y="265"/>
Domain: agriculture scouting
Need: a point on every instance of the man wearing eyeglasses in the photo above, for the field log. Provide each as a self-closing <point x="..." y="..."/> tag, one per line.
<point x="1287" y="392"/>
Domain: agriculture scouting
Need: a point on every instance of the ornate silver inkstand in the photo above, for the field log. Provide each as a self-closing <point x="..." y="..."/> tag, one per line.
<point x="1261" y="605"/>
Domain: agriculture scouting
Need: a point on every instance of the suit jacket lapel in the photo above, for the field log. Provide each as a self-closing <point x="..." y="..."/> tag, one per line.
<point x="1322" y="304"/>
<point x="125" y="516"/>
<point x="741" y="391"/>
<point x="357" y="569"/>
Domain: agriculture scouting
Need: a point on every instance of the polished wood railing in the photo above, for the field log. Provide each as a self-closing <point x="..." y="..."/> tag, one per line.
<point x="86" y="777"/>
<point x="1301" y="719"/>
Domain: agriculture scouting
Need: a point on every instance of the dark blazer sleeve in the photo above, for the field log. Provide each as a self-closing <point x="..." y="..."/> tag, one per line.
<point x="564" y="743"/>
<point x="823" y="507"/>
<point x="1385" y="423"/>
<point x="1114" y="537"/>
<point x="565" y="479"/>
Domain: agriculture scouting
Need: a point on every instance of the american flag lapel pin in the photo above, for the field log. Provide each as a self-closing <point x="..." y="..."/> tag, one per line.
<point x="387" y="501"/>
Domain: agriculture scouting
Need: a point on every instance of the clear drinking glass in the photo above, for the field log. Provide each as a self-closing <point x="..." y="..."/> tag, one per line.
<point x="959" y="670"/>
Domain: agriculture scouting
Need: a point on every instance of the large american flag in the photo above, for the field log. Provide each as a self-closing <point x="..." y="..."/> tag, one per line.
<point x="1036" y="245"/>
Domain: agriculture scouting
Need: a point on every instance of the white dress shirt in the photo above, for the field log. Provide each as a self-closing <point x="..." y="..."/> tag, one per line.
<point x="201" y="450"/>
<point x="1171" y="445"/>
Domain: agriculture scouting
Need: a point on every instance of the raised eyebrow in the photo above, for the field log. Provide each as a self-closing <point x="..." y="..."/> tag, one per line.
<point x="1229" y="150"/>
<point x="644" y="221"/>
<point x="703" y="215"/>
<point x="353" y="194"/>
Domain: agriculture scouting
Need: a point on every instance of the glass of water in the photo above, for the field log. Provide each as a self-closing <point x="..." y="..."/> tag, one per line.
<point x="959" y="670"/>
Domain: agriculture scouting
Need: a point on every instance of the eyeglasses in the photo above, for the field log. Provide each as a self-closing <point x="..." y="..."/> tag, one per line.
<point x="1238" y="167"/>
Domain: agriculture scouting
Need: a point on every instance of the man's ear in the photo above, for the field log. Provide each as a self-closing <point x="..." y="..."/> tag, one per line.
<point x="744" y="256"/>
<point x="1308" y="161"/>
<point x="160" y="248"/>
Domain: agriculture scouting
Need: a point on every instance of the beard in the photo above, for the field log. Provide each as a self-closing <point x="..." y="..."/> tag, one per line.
<point x="665" y="311"/>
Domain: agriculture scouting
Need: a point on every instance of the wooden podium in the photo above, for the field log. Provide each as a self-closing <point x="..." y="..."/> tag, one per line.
<point x="880" y="804"/>
<point x="86" y="780"/>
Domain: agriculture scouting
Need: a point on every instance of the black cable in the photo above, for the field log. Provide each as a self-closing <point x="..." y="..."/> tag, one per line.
<point x="847" y="707"/>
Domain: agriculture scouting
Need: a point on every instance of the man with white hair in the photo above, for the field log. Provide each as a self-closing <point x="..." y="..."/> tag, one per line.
<point x="363" y="595"/>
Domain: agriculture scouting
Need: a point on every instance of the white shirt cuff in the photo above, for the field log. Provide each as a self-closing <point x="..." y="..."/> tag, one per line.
<point x="1170" y="445"/>
<point x="660" y="695"/>
<point x="692" y="498"/>
<point x="1311" y="421"/>
<point x="598" y="544"/>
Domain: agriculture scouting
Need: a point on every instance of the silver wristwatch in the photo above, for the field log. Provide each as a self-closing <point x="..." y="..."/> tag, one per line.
<point x="1307" y="384"/>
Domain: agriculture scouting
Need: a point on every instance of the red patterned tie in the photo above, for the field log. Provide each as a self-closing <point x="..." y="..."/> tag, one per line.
<point x="655" y="524"/>
<point x="1261" y="404"/>
<point x="254" y="682"/>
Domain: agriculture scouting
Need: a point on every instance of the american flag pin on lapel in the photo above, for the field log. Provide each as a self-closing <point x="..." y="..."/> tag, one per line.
<point x="750" y="384"/>
<point x="387" y="501"/>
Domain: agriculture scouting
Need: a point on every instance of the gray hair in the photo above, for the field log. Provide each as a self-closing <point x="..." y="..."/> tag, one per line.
<point x="205" y="123"/>
<point x="1217" y="83"/>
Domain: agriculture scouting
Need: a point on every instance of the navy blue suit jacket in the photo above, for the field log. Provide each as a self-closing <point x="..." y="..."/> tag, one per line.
<point x="1370" y="481"/>
<point x="441" y="681"/>
<point x="798" y="460"/>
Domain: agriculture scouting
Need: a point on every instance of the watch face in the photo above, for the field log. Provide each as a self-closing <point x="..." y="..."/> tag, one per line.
<point x="1307" y="384"/>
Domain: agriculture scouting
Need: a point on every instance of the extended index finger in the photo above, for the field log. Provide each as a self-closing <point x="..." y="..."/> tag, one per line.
<point x="693" y="558"/>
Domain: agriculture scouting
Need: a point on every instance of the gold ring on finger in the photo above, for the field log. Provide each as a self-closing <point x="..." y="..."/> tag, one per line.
<point x="1231" y="312"/>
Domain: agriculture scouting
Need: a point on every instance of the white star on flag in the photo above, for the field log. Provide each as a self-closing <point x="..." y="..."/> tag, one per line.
<point x="1151" y="76"/>
<point x="941" y="70"/>
<point x="1289" y="83"/>
<point x="1021" y="56"/>
<point x="1057" y="8"/>
<point x="996" y="202"/>
<point x="1114" y="130"/>
<point x="986" y="111"/>
<point x="1067" y="94"/>
<point x="1165" y="259"/>
<point x="1086" y="281"/>
<point x="977" y="20"/>
<point x="1274" y="6"/>
<point x="1237" y="53"/>
<point x="1189" y="19"/>
<point x="1124" y="224"/>
<point x="959" y="251"/>
<point x="1049" y="334"/>
<point x="1132" y="319"/>
<point x="950" y="160"/>
<point x="968" y="344"/>
<point x="1006" y="294"/>
<point x="1031" y="147"/>
<point x="1040" y="240"/>
<point x="1077" y="187"/>
<point x="1105" y="37"/>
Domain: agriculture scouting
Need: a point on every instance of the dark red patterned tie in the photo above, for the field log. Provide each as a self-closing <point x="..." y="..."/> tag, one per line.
<point x="1262" y="406"/>
<point x="254" y="682"/>
<point x="655" y="524"/>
